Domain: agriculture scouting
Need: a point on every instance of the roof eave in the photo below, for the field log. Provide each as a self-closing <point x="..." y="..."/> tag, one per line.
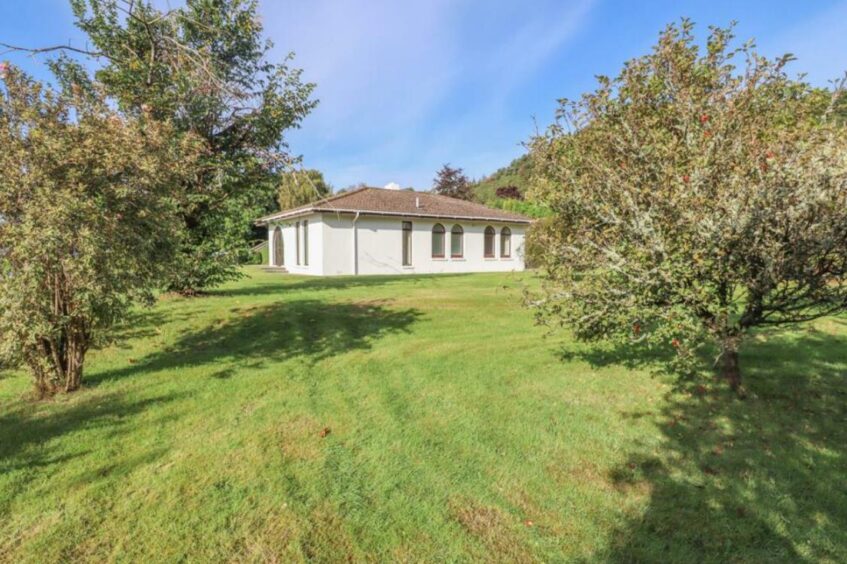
<point x="298" y="213"/>
<point x="285" y="215"/>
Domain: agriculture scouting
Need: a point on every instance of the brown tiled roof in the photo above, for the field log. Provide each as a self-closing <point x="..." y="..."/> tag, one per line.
<point x="379" y="201"/>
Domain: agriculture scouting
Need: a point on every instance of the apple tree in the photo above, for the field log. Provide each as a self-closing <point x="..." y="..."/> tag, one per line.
<point x="696" y="196"/>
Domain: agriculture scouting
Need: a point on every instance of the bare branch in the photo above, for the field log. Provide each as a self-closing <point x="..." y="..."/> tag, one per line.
<point x="40" y="50"/>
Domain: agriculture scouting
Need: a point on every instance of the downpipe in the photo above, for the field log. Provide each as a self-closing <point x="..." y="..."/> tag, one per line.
<point x="356" y="244"/>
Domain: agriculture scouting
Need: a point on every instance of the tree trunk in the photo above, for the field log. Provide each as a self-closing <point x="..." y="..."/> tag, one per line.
<point x="57" y="365"/>
<point x="730" y="370"/>
<point x="73" y="373"/>
<point x="44" y="384"/>
<point x="77" y="345"/>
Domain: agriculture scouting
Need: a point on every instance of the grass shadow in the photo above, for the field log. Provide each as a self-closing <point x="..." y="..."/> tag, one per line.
<point x="310" y="329"/>
<point x="599" y="355"/>
<point x="287" y="283"/>
<point x="141" y="323"/>
<point x="755" y="480"/>
<point x="29" y="432"/>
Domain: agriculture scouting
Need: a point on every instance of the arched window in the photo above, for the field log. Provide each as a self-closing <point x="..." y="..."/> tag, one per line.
<point x="437" y="241"/>
<point x="505" y="242"/>
<point x="457" y="246"/>
<point x="278" y="257"/>
<point x="489" y="241"/>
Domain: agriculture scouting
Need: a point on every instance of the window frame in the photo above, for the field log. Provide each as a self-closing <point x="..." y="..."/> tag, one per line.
<point x="297" y="240"/>
<point x="406" y="238"/>
<point x="443" y="234"/>
<point x="489" y="236"/>
<point x="460" y="231"/>
<point x="505" y="240"/>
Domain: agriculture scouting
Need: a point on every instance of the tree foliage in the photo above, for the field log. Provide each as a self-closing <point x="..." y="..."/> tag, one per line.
<point x="88" y="223"/>
<point x="694" y="199"/>
<point x="204" y="68"/>
<point x="518" y="173"/>
<point x="452" y="182"/>
<point x="298" y="188"/>
<point x="509" y="192"/>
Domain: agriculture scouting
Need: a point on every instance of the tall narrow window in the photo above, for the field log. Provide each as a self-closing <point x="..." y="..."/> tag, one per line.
<point x="437" y="241"/>
<point x="457" y="245"/>
<point x="278" y="250"/>
<point x="407" y="243"/>
<point x="306" y="242"/>
<point x="505" y="242"/>
<point x="490" y="234"/>
<point x="297" y="240"/>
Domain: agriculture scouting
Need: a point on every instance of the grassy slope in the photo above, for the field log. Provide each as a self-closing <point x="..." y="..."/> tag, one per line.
<point x="456" y="432"/>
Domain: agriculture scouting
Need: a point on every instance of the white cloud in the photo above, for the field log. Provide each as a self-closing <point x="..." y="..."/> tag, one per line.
<point x="372" y="60"/>
<point x="406" y="86"/>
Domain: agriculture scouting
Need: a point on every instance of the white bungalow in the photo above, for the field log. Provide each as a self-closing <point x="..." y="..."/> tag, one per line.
<point x="385" y="231"/>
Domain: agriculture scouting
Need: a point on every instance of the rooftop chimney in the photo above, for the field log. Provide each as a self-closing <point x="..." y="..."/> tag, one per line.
<point x="418" y="202"/>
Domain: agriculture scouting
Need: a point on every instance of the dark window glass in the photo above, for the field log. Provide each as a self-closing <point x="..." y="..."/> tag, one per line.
<point x="407" y="243"/>
<point x="505" y="242"/>
<point x="279" y="250"/>
<point x="456" y="241"/>
<point x="306" y="242"/>
<point x="489" y="241"/>
<point x="437" y="241"/>
<point x="297" y="240"/>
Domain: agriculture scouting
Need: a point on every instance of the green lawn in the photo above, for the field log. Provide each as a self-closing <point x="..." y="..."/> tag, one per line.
<point x="418" y="419"/>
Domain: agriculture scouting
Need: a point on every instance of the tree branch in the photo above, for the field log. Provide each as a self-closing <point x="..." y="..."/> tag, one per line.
<point x="39" y="50"/>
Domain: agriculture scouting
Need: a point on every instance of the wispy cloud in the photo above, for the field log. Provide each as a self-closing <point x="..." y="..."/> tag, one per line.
<point x="369" y="58"/>
<point x="406" y="86"/>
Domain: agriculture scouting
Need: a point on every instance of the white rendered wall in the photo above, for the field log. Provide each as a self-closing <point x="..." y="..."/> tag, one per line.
<point x="377" y="242"/>
<point x="379" y="246"/>
<point x="289" y="238"/>
<point x="338" y="244"/>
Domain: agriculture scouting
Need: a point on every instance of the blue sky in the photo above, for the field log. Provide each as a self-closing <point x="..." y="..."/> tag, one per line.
<point x="406" y="86"/>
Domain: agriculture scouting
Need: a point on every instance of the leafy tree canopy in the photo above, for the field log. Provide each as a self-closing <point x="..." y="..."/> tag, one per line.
<point x="204" y="68"/>
<point x="452" y="182"/>
<point x="695" y="197"/>
<point x="88" y="224"/>
<point x="300" y="187"/>
<point x="518" y="173"/>
<point x="509" y="192"/>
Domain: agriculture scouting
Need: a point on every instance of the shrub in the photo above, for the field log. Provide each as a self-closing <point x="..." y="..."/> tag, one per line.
<point x="87" y="228"/>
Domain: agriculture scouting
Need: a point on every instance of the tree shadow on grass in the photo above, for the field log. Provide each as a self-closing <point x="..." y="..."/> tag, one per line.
<point x="287" y="283"/>
<point x="309" y="329"/>
<point x="28" y="433"/>
<point x="761" y="479"/>
<point x="599" y="355"/>
<point x="141" y="323"/>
